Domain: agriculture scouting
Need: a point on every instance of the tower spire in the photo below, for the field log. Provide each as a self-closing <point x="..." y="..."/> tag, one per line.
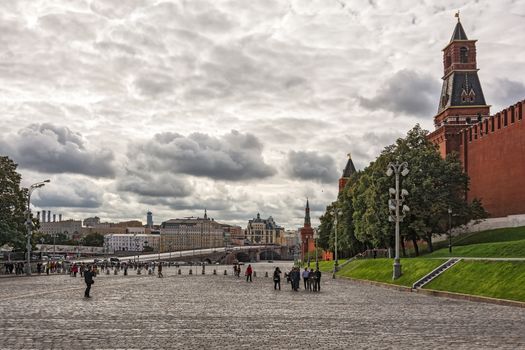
<point x="307" y="222"/>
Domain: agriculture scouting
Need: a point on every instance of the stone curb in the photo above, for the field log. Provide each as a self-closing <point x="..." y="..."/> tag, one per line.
<point x="441" y="294"/>
<point x="469" y="297"/>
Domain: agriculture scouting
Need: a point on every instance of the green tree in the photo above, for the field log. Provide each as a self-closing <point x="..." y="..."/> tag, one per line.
<point x="12" y="205"/>
<point x="93" y="239"/>
<point x="434" y="185"/>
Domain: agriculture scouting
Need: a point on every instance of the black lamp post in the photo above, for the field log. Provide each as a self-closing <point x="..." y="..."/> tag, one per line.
<point x="450" y="230"/>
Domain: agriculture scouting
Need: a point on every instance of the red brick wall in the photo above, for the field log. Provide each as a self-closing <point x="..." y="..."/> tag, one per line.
<point x="493" y="154"/>
<point x="342" y="183"/>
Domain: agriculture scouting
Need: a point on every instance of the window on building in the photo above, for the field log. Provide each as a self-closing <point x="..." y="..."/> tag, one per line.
<point x="463" y="55"/>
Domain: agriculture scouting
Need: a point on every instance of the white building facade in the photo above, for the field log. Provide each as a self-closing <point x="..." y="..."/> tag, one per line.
<point x="131" y="242"/>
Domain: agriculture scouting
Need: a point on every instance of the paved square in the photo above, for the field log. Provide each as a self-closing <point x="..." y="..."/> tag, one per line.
<point x="223" y="312"/>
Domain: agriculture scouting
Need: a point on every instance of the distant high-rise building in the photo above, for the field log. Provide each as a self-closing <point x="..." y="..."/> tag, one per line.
<point x="149" y="219"/>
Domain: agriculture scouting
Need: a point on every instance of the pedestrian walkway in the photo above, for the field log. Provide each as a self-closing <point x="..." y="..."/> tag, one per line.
<point x="224" y="312"/>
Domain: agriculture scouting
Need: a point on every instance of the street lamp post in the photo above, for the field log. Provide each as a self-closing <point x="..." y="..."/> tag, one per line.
<point x="308" y="252"/>
<point x="316" y="236"/>
<point x="450" y="230"/>
<point x="29" y="223"/>
<point x="335" y="213"/>
<point x="393" y="205"/>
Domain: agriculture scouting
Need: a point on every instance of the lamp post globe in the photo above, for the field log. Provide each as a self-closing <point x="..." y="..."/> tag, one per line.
<point x="335" y="213"/>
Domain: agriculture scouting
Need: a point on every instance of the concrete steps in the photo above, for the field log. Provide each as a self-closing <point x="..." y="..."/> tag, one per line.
<point x="435" y="273"/>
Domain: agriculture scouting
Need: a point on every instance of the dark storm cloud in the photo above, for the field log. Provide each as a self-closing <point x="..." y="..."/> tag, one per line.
<point x="231" y="157"/>
<point x="69" y="193"/>
<point x="405" y="92"/>
<point x="506" y="92"/>
<point x="154" y="185"/>
<point x="311" y="166"/>
<point x="53" y="149"/>
<point x="192" y="203"/>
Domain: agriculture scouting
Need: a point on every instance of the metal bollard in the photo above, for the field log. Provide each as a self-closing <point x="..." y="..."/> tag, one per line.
<point x="225" y="272"/>
<point x="254" y="274"/>
<point x="138" y="272"/>
<point x="179" y="272"/>
<point x="107" y="271"/>
<point x="191" y="272"/>
<point x="214" y="271"/>
<point x="125" y="272"/>
<point x="266" y="274"/>
<point x="203" y="271"/>
<point x="115" y="272"/>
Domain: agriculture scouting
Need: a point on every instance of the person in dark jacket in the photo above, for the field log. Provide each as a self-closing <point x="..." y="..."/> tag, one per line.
<point x="88" y="278"/>
<point x="295" y="276"/>
<point x="317" y="286"/>
<point x="277" y="278"/>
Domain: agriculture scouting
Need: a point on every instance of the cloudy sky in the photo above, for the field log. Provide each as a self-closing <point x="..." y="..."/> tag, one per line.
<point x="235" y="106"/>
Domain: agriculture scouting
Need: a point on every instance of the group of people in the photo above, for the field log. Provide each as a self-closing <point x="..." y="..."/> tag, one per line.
<point x="14" y="268"/>
<point x="311" y="279"/>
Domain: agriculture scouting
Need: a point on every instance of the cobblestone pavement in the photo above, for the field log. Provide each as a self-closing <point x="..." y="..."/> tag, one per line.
<point x="223" y="312"/>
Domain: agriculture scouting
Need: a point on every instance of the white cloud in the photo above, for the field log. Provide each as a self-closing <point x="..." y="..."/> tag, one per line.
<point x="326" y="76"/>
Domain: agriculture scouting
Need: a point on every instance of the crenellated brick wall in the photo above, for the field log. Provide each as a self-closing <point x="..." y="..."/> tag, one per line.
<point x="493" y="155"/>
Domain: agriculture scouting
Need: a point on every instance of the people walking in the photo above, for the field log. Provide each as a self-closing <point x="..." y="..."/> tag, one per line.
<point x="248" y="273"/>
<point x="317" y="286"/>
<point x="295" y="277"/>
<point x="306" y="275"/>
<point x="277" y="278"/>
<point x="88" y="278"/>
<point x="160" y="270"/>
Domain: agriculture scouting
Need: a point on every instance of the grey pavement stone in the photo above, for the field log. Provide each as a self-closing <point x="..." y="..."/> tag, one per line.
<point x="223" y="312"/>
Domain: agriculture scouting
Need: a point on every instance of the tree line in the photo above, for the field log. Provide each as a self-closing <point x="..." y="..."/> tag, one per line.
<point x="434" y="184"/>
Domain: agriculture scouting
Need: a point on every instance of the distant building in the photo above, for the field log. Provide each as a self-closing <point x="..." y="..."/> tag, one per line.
<point x="91" y="222"/>
<point x="190" y="233"/>
<point x="263" y="231"/>
<point x="149" y="219"/>
<point x="289" y="238"/>
<point x="71" y="228"/>
<point x="132" y="242"/>
<point x="130" y="223"/>
<point x="233" y="234"/>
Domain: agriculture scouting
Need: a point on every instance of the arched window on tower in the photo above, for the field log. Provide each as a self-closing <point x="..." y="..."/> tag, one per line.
<point x="463" y="55"/>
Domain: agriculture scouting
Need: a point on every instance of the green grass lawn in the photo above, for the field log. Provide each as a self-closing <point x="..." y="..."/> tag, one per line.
<point x="496" y="279"/>
<point x="490" y="236"/>
<point x="380" y="270"/>
<point x="506" y="249"/>
<point x="325" y="266"/>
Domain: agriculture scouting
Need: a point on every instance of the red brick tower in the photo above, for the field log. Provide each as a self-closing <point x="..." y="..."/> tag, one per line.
<point x="462" y="102"/>
<point x="347" y="173"/>
<point x="307" y="234"/>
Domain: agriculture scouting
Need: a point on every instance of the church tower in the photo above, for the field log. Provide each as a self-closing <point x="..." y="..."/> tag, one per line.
<point x="462" y="101"/>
